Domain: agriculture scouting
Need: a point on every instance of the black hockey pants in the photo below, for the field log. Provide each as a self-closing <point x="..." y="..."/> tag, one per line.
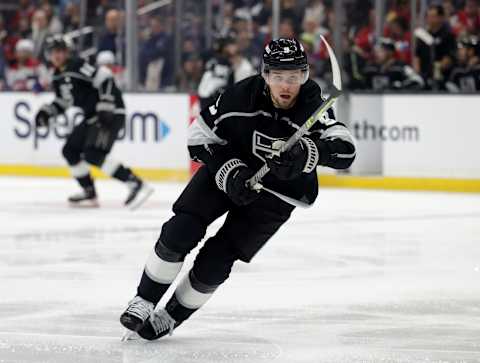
<point x="92" y="142"/>
<point x="244" y="232"/>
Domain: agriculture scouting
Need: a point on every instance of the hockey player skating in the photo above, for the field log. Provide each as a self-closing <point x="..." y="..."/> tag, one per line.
<point x="77" y="83"/>
<point x="234" y="137"/>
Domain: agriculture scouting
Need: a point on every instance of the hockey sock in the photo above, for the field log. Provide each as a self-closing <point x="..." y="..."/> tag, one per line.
<point x="118" y="171"/>
<point x="189" y="296"/>
<point x="86" y="182"/>
<point x="162" y="267"/>
<point x="81" y="172"/>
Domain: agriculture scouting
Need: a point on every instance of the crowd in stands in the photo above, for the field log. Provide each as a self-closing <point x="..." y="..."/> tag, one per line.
<point x="445" y="44"/>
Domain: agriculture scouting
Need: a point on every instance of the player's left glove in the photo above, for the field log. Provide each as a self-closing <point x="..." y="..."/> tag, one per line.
<point x="301" y="158"/>
<point x="105" y="113"/>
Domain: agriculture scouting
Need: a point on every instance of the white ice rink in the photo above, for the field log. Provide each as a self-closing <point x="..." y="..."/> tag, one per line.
<point x="364" y="276"/>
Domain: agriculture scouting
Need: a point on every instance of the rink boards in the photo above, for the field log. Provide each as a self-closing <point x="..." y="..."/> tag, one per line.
<point x="403" y="141"/>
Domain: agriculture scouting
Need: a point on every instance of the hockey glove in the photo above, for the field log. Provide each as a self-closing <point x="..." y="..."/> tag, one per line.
<point x="105" y="118"/>
<point x="105" y="113"/>
<point x="232" y="179"/>
<point x="43" y="115"/>
<point x="301" y="158"/>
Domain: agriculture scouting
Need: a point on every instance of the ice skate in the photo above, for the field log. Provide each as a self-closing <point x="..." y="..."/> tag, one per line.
<point x="136" y="314"/>
<point x="87" y="198"/>
<point x="139" y="193"/>
<point x="158" y="325"/>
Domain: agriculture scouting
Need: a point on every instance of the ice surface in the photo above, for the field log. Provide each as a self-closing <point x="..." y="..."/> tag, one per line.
<point x="364" y="276"/>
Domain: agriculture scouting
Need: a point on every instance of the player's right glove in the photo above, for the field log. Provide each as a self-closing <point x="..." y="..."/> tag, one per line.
<point x="43" y="115"/>
<point x="232" y="178"/>
<point x="300" y="158"/>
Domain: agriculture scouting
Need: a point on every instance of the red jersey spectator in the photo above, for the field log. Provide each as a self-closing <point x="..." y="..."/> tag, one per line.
<point x="26" y="73"/>
<point x="397" y="30"/>
<point x="469" y="18"/>
<point x="364" y="39"/>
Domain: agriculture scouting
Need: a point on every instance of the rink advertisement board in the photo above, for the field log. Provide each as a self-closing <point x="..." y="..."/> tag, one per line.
<point x="418" y="136"/>
<point x="366" y="112"/>
<point x="432" y="136"/>
<point x="153" y="139"/>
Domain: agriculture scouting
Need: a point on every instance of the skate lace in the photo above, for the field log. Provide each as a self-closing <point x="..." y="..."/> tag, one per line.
<point x="162" y="321"/>
<point x="140" y="308"/>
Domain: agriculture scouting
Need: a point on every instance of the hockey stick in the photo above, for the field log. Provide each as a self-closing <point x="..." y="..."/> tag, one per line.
<point x="336" y="92"/>
<point x="285" y="198"/>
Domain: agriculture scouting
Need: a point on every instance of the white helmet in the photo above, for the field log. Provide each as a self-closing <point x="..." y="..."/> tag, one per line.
<point x="24" y="45"/>
<point x="105" y="57"/>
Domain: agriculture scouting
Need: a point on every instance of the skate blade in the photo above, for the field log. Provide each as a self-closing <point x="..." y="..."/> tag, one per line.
<point x="129" y="336"/>
<point x="84" y="204"/>
<point x="141" y="198"/>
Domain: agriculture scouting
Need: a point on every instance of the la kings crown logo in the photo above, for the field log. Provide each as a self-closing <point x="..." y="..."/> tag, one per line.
<point x="264" y="146"/>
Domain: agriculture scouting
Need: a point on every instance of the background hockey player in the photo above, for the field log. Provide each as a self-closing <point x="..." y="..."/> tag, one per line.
<point x="233" y="137"/>
<point x="388" y="73"/>
<point x="465" y="76"/>
<point x="77" y="83"/>
<point x="226" y="67"/>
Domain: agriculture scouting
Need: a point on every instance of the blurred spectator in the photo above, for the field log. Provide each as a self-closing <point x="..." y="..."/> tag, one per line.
<point x="315" y="11"/>
<point x="112" y="38"/>
<point x="39" y="34"/>
<point x="399" y="9"/>
<point x="364" y="38"/>
<point x="469" y="18"/>
<point x="435" y="50"/>
<point x="26" y="73"/>
<point x="291" y="11"/>
<point x="451" y="15"/>
<point x="398" y="31"/>
<point x="3" y="67"/>
<point x="71" y="18"/>
<point x="465" y="76"/>
<point x="191" y="73"/>
<point x="107" y="58"/>
<point x="25" y="10"/>
<point x="251" y="20"/>
<point x="262" y="12"/>
<point x="386" y="73"/>
<point x="101" y="11"/>
<point x="156" y="58"/>
<point x="54" y="23"/>
<point x="312" y="28"/>
<point x="287" y="28"/>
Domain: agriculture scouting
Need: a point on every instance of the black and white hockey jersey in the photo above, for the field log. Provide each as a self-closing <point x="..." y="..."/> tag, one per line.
<point x="218" y="75"/>
<point x="464" y="79"/>
<point x="244" y="124"/>
<point x="396" y="76"/>
<point x="90" y="88"/>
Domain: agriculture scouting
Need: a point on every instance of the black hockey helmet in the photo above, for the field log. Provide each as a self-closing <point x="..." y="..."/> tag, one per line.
<point x="220" y="41"/>
<point x="284" y="53"/>
<point x="57" y="41"/>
